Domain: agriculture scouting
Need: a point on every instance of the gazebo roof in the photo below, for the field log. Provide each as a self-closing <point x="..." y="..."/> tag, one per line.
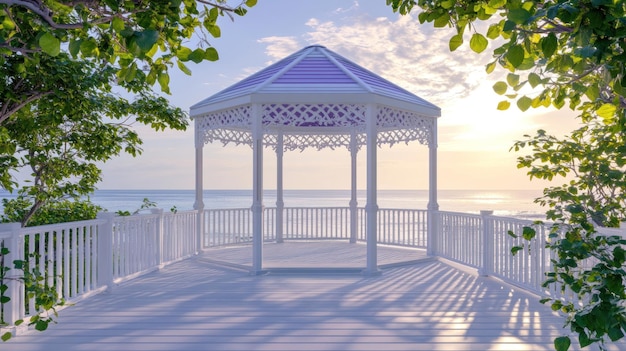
<point x="312" y="94"/>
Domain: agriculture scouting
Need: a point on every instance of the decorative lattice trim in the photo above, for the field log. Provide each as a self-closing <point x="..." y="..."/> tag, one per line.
<point x="314" y="125"/>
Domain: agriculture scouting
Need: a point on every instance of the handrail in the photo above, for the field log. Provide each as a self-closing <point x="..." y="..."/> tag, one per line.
<point x="72" y="257"/>
<point x="82" y="258"/>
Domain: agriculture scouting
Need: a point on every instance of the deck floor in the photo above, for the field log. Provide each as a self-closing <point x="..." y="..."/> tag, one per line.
<point x="199" y="305"/>
<point x="315" y="255"/>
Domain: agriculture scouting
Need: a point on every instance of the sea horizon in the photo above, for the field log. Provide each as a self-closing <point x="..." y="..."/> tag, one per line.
<point x="507" y="202"/>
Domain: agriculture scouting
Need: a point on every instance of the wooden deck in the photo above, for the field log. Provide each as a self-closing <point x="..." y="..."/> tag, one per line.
<point x="199" y="305"/>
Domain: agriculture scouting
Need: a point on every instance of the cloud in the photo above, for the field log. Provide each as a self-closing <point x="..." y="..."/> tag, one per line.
<point x="280" y="47"/>
<point x="355" y="6"/>
<point x="414" y="56"/>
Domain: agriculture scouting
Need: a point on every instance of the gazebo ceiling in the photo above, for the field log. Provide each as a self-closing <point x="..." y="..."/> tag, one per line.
<point x="314" y="98"/>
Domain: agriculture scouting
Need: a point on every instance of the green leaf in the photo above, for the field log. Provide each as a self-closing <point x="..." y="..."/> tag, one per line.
<point x="607" y="111"/>
<point x="251" y="3"/>
<point x="504" y="105"/>
<point x="118" y="24"/>
<point x="164" y="81"/>
<point x="562" y="343"/>
<point x="512" y="79"/>
<point x="615" y="333"/>
<point x="74" y="47"/>
<point x="524" y="103"/>
<point x="455" y="42"/>
<point x="211" y="54"/>
<point x="6" y="336"/>
<point x="183" y="53"/>
<point x="442" y="21"/>
<point x="41" y="325"/>
<point x="528" y="233"/>
<point x="214" y="30"/>
<point x="478" y="43"/>
<point x="593" y="92"/>
<point x="494" y="31"/>
<point x="515" y="249"/>
<point x="548" y="45"/>
<point x="518" y="16"/>
<point x="500" y="88"/>
<point x="197" y="55"/>
<point x="490" y="67"/>
<point x="534" y="79"/>
<point x="447" y="4"/>
<point x="183" y="68"/>
<point x="146" y="39"/>
<point x="515" y="55"/>
<point x="50" y="44"/>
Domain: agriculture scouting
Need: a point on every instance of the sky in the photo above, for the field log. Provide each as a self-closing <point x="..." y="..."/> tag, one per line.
<point x="474" y="137"/>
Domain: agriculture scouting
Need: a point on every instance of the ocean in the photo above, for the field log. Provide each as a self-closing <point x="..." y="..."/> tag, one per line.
<point x="510" y="203"/>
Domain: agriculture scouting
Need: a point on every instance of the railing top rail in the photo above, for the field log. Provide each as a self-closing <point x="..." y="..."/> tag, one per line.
<point x="59" y="226"/>
<point x="170" y="213"/>
<point x="464" y="214"/>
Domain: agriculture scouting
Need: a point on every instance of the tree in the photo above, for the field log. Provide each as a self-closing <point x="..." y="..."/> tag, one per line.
<point x="61" y="138"/>
<point x="563" y="53"/>
<point x="142" y="38"/>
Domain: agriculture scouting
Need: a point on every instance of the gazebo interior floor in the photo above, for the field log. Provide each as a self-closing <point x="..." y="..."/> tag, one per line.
<point x="323" y="255"/>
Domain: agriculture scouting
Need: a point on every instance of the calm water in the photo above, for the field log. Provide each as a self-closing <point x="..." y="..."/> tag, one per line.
<point x="518" y="203"/>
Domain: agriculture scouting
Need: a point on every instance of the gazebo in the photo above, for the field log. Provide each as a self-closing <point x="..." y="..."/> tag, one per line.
<point x="315" y="98"/>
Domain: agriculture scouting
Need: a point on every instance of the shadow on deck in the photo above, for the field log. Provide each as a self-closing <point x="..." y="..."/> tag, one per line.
<point x="314" y="256"/>
<point x="199" y="305"/>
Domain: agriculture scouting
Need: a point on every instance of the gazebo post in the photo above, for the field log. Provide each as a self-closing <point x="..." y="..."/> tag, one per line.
<point x="320" y="97"/>
<point x="371" y="208"/>
<point x="280" y="204"/>
<point x="433" y="206"/>
<point x="257" y="191"/>
<point x="353" y="185"/>
<point x="199" y="204"/>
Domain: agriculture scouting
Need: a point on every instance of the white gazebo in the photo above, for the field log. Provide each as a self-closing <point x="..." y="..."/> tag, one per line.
<point x="315" y="98"/>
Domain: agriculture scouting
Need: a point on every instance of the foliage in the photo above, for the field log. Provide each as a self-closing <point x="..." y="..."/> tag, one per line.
<point x="62" y="211"/>
<point x="573" y="49"/>
<point x="556" y="54"/>
<point x="588" y="263"/>
<point x="144" y="39"/>
<point x="45" y="296"/>
<point x="61" y="140"/>
<point x="594" y="157"/>
<point x="145" y="204"/>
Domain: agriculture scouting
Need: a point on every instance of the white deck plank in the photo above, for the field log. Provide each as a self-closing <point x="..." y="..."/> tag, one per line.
<point x="197" y="305"/>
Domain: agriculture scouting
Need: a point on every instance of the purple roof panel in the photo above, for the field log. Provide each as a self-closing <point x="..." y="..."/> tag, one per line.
<point x="312" y="70"/>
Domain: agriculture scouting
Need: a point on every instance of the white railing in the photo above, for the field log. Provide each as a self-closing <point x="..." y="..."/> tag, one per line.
<point x="234" y="226"/>
<point x="83" y="258"/>
<point x="460" y="238"/>
<point x="79" y="259"/>
<point x="64" y="254"/>
<point x="227" y="227"/>
<point x="179" y="236"/>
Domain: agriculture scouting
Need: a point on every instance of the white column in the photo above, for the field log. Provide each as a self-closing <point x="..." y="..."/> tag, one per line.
<point x="433" y="206"/>
<point x="280" y="204"/>
<point x="199" y="204"/>
<point x="257" y="191"/>
<point x="371" y="208"/>
<point x="353" y="188"/>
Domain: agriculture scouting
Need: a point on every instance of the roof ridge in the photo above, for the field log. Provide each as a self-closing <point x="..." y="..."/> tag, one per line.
<point x="285" y="69"/>
<point x="345" y="70"/>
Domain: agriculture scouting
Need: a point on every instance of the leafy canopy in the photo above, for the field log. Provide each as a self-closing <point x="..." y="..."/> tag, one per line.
<point x="563" y="53"/>
<point x="61" y="138"/>
<point x="144" y="39"/>
<point x="568" y="52"/>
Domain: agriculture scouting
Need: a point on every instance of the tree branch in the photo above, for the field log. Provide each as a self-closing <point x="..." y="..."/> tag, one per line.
<point x="6" y="112"/>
